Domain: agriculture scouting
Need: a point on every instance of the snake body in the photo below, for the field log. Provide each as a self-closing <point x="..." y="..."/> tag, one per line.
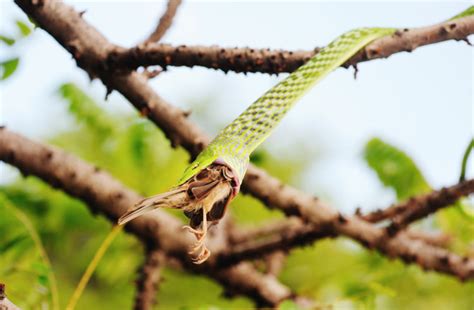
<point x="238" y="140"/>
<point x="213" y="179"/>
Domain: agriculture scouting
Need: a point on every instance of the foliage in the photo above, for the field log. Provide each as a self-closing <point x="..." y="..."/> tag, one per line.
<point x="395" y="169"/>
<point x="9" y="66"/>
<point x="469" y="11"/>
<point x="24" y="260"/>
<point x="398" y="171"/>
<point x="336" y="273"/>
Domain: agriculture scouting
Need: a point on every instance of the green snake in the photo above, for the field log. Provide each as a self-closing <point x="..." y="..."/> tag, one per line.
<point x="213" y="179"/>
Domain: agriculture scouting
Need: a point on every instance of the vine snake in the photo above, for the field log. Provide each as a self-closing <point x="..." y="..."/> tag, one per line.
<point x="212" y="181"/>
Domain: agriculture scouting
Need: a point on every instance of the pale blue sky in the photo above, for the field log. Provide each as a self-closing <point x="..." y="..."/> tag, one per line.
<point x="421" y="102"/>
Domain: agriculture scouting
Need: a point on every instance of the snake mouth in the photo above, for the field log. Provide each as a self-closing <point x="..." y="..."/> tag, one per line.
<point x="213" y="188"/>
<point x="203" y="198"/>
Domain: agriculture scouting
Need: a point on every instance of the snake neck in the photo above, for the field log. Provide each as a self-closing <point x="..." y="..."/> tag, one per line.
<point x="256" y="123"/>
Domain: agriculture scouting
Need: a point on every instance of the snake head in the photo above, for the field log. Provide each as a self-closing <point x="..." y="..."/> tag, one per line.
<point x="203" y="160"/>
<point x="204" y="199"/>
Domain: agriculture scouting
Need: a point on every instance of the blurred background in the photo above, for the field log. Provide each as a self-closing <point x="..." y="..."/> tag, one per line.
<point x="399" y="129"/>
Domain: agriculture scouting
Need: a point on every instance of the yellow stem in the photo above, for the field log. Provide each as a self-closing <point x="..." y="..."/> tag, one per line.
<point x="92" y="266"/>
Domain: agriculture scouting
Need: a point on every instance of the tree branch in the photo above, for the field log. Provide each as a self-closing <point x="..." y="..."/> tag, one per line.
<point x="431" y="201"/>
<point x="290" y="233"/>
<point x="91" y="51"/>
<point x="104" y="194"/>
<point x="164" y="23"/>
<point x="149" y="279"/>
<point x="424" y="205"/>
<point x="276" y="61"/>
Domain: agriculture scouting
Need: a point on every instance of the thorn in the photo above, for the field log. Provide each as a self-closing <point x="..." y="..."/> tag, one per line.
<point x="107" y="93"/>
<point x="356" y="70"/>
<point x="186" y="113"/>
<point x="341" y="219"/>
<point x="91" y="76"/>
<point x="358" y="211"/>
<point x="145" y="111"/>
<point x="153" y="73"/>
<point x="467" y="41"/>
<point x="37" y="2"/>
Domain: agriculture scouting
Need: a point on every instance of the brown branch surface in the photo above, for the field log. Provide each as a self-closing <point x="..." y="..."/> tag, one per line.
<point x="411" y="246"/>
<point x="286" y="235"/>
<point x="425" y="205"/>
<point x="276" y="61"/>
<point x="91" y="51"/>
<point x="105" y="195"/>
<point x="165" y="22"/>
<point x="149" y="279"/>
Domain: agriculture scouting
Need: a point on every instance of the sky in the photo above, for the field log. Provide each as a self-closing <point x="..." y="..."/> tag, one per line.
<point x="422" y="102"/>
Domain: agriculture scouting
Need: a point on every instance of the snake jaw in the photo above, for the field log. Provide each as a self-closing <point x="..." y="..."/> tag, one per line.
<point x="203" y="198"/>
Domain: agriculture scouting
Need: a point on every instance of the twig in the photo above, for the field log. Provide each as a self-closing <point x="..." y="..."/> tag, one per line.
<point x="164" y="23"/>
<point x="424" y="205"/>
<point x="248" y="59"/>
<point x="437" y="239"/>
<point x="104" y="194"/>
<point x="252" y="234"/>
<point x="91" y="50"/>
<point x="275" y="262"/>
<point x="434" y="200"/>
<point x="469" y="148"/>
<point x="148" y="279"/>
<point x="407" y="246"/>
<point x="286" y="235"/>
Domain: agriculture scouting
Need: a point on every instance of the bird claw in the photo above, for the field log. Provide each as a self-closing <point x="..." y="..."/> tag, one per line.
<point x="199" y="249"/>
<point x="198" y="233"/>
<point x="202" y="257"/>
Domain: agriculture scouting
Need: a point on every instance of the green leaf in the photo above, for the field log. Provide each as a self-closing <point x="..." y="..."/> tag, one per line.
<point x="395" y="169"/>
<point x="13" y="242"/>
<point x="7" y="40"/>
<point x="25" y="30"/>
<point x="8" y="67"/>
<point x="467" y="12"/>
<point x="86" y="110"/>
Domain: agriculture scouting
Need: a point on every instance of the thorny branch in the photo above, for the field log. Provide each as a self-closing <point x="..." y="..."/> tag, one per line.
<point x="91" y="51"/>
<point x="104" y="194"/>
<point x="276" y="61"/>
<point x="165" y="22"/>
<point x="420" y="206"/>
<point x="149" y="279"/>
<point x="423" y="206"/>
<point x="411" y="246"/>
